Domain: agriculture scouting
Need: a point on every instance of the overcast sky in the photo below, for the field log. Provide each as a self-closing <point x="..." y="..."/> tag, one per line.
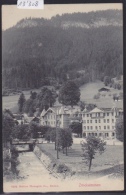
<point x="11" y="14"/>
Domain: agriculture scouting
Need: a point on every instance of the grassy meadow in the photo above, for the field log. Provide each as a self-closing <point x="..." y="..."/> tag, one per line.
<point x="87" y="95"/>
<point x="103" y="164"/>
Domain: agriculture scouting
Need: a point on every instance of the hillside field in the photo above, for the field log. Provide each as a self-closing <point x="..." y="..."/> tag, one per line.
<point x="106" y="98"/>
<point x="87" y="95"/>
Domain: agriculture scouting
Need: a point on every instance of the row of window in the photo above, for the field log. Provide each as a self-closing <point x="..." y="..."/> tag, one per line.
<point x="98" y="121"/>
<point x="98" y="114"/>
<point x="49" y="123"/>
<point x="100" y="134"/>
<point x="50" y="117"/>
<point x="97" y="127"/>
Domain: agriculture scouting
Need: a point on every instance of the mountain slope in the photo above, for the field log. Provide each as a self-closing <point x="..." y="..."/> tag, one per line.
<point x="62" y="46"/>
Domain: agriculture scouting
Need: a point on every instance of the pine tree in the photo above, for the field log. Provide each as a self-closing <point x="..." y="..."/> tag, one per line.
<point x="21" y="102"/>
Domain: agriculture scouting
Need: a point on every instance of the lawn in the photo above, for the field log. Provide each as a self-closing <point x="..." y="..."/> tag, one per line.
<point x="10" y="102"/>
<point x="90" y="89"/>
<point x="111" y="158"/>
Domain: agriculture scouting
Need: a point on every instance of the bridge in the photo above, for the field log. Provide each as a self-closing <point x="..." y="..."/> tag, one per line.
<point x="31" y="144"/>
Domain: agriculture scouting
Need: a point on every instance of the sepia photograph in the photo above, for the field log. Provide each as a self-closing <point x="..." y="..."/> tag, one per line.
<point x="62" y="98"/>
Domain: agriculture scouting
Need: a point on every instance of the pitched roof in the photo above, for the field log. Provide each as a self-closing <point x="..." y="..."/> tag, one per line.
<point x="96" y="110"/>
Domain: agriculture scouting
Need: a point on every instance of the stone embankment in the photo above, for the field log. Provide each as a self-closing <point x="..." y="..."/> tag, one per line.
<point x="57" y="169"/>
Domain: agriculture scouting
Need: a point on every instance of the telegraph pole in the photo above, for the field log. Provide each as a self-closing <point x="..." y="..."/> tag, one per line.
<point x="57" y="144"/>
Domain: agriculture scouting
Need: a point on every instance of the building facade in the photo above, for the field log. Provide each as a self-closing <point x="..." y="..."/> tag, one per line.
<point x="100" y="122"/>
<point x="59" y="116"/>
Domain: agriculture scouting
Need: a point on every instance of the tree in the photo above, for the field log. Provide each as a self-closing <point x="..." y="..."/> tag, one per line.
<point x="69" y="94"/>
<point x="8" y="125"/>
<point x="82" y="105"/>
<point x="33" y="95"/>
<point x="21" y="102"/>
<point x="91" y="147"/>
<point x="120" y="129"/>
<point x="45" y="98"/>
<point x="23" y="132"/>
<point x="65" y="139"/>
<point x="90" y="107"/>
<point x="76" y="128"/>
<point x="34" y="129"/>
<point x="107" y="80"/>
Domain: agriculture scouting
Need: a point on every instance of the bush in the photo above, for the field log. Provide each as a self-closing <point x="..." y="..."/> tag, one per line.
<point x="97" y="96"/>
<point x="62" y="168"/>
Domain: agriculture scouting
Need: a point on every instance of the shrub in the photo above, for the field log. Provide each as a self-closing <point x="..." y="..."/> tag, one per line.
<point x="97" y="96"/>
<point x="62" y="168"/>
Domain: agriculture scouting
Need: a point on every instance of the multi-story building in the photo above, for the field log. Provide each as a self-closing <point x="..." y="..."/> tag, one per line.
<point x="60" y="116"/>
<point x="100" y="122"/>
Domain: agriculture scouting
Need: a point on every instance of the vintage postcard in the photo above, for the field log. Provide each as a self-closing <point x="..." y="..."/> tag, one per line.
<point x="62" y="98"/>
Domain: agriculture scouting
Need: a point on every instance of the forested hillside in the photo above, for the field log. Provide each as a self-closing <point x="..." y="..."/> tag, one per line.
<point x="80" y="46"/>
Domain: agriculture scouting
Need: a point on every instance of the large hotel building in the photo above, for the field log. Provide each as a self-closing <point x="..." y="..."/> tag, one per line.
<point x="99" y="121"/>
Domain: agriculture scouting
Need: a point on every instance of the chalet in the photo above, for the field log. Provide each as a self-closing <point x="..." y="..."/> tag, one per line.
<point x="104" y="90"/>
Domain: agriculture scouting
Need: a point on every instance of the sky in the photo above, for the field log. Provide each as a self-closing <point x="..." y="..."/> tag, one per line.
<point x="11" y="14"/>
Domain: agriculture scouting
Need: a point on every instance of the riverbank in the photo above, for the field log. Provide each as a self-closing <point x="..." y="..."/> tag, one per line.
<point x="34" y="177"/>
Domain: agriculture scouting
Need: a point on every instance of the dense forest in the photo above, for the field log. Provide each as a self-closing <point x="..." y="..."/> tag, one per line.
<point x="81" y="46"/>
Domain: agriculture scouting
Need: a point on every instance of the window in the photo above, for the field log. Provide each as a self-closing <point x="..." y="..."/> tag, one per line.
<point x="87" y="121"/>
<point x="107" y="114"/>
<point x="99" y="127"/>
<point x="112" y="114"/>
<point x="108" y="127"/>
<point x="104" y="127"/>
<point x="106" y="134"/>
<point x="99" y="121"/>
<point x="91" y="127"/>
<point x="95" y="127"/>
<point x="112" y="120"/>
<point x="113" y="134"/>
<point x="87" y="127"/>
<point x="107" y="120"/>
<point x="90" y="115"/>
<point x="104" y="120"/>
<point x="95" y="121"/>
<point x="87" y="115"/>
<point x="100" y="134"/>
<point x="95" y="134"/>
<point x="90" y="121"/>
<point x="98" y="114"/>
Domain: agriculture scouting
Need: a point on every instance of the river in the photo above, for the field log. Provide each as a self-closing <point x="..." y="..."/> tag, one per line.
<point x="33" y="176"/>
